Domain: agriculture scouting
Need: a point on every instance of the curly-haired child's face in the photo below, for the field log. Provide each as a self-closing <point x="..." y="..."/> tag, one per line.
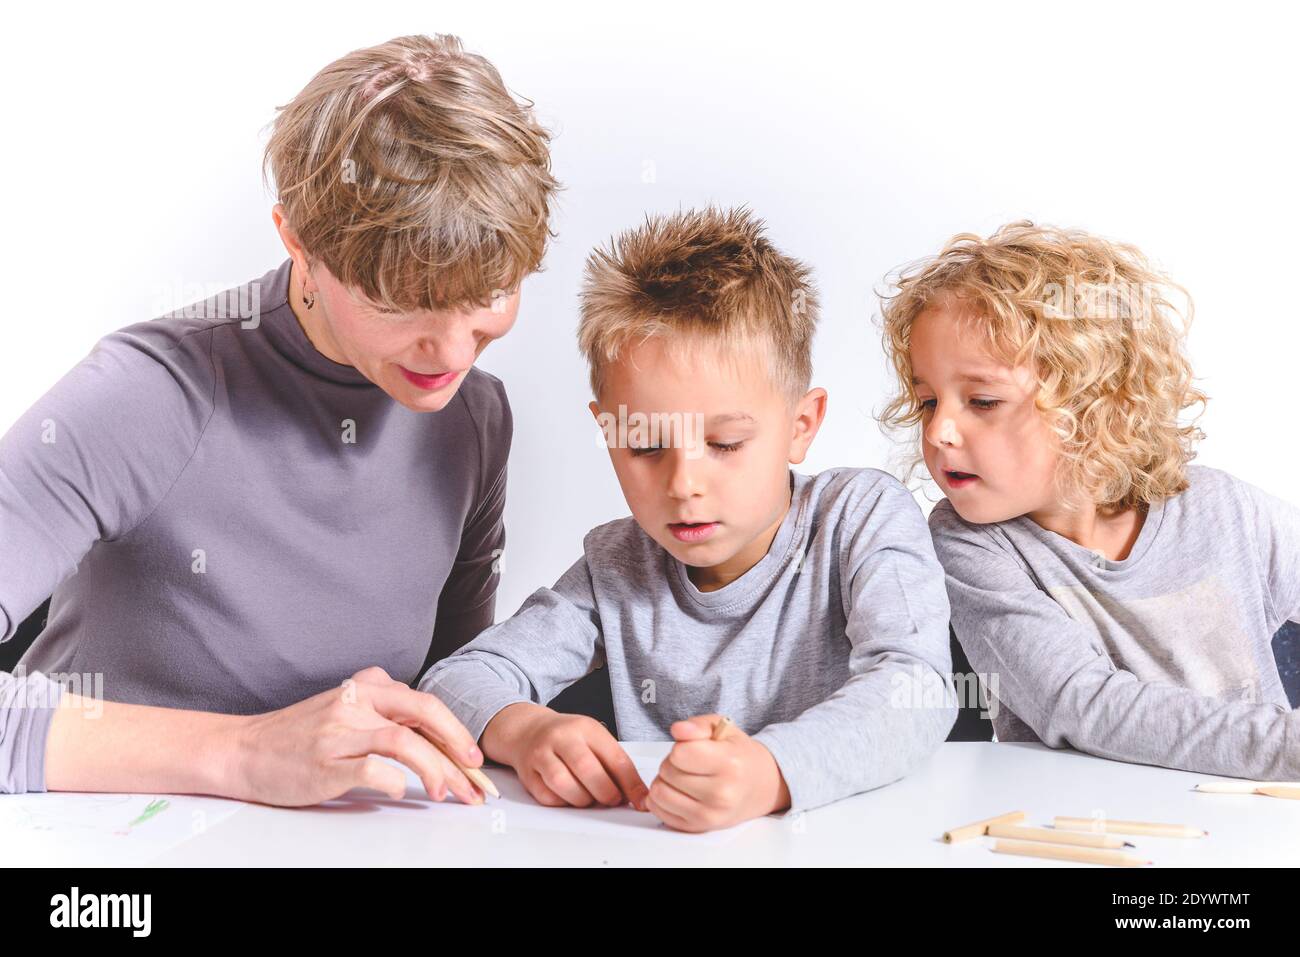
<point x="711" y="485"/>
<point x="979" y="420"/>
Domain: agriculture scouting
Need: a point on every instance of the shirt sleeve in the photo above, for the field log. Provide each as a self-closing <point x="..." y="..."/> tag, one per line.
<point x="552" y="641"/>
<point x="1277" y="534"/>
<point x="898" y="705"/>
<point x="1053" y="672"/>
<point x="90" y="459"/>
<point x="87" y="462"/>
<point x="27" y="706"/>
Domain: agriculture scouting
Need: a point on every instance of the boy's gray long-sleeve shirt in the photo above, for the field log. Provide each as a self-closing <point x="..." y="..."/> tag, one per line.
<point x="1163" y="658"/>
<point x="230" y="521"/>
<point x="832" y="651"/>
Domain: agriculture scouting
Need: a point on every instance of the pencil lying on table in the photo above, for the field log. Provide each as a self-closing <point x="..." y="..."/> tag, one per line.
<point x="1282" y="789"/>
<point x="1081" y="855"/>
<point x="1104" y="826"/>
<point x="1279" y="791"/>
<point x="1049" y="836"/>
<point x="980" y="828"/>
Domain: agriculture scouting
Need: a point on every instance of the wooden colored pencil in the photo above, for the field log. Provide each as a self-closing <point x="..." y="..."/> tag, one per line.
<point x="1106" y="826"/>
<point x="1234" y="786"/>
<point x="1049" y="836"/>
<point x="474" y="775"/>
<point x="980" y="828"/>
<point x="1080" y="855"/>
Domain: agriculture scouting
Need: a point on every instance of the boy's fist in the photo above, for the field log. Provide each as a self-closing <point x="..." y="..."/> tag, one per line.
<point x="563" y="758"/>
<point x="704" y="785"/>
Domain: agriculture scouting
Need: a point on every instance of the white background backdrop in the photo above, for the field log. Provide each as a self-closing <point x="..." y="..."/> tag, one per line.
<point x="864" y="139"/>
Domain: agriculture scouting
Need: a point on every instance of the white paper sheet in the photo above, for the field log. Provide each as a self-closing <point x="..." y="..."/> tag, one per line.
<point x="67" y="829"/>
<point x="516" y="810"/>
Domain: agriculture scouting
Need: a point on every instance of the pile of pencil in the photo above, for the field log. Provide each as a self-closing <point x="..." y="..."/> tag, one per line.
<point x="1090" y="840"/>
<point x="1083" y="840"/>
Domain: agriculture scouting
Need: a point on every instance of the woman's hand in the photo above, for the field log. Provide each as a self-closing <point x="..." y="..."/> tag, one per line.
<point x="322" y="747"/>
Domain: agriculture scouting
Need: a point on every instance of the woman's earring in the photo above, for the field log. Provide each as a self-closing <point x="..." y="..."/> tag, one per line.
<point x="309" y="302"/>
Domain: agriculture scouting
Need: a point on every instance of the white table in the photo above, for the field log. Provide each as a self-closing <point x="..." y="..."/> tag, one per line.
<point x="900" y="824"/>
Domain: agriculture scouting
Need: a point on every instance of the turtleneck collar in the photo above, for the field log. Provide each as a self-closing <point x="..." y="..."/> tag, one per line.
<point x="289" y="338"/>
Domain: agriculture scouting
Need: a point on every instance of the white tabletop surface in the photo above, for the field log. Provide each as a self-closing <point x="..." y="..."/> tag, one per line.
<point x="897" y="825"/>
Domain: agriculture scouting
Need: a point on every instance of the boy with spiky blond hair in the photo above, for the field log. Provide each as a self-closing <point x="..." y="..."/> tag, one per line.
<point x="808" y="609"/>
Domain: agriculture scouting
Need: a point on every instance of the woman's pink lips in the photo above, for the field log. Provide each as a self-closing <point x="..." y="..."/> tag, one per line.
<point x="429" y="382"/>
<point x="692" y="533"/>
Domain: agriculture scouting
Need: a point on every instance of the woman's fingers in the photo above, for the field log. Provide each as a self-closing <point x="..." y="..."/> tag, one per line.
<point x="397" y="702"/>
<point x="372" y="773"/>
<point x="457" y="781"/>
<point x="374" y="675"/>
<point x="405" y="746"/>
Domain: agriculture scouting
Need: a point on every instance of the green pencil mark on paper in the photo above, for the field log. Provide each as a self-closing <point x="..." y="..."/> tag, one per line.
<point x="152" y="809"/>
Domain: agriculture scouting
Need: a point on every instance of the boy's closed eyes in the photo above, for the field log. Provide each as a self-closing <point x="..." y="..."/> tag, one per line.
<point x="714" y="489"/>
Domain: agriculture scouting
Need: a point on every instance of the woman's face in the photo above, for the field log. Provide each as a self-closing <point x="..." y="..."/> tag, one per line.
<point x="418" y="358"/>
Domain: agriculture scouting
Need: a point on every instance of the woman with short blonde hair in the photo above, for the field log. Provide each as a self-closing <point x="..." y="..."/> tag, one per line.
<point x="262" y="516"/>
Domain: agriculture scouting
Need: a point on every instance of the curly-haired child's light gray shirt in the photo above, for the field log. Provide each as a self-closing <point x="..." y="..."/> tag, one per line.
<point x="832" y="651"/>
<point x="1163" y="658"/>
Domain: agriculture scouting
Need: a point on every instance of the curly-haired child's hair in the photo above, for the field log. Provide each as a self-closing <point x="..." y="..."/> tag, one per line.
<point x="1098" y="326"/>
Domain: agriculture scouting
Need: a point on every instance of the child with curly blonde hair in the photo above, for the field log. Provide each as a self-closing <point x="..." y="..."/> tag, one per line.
<point x="1118" y="599"/>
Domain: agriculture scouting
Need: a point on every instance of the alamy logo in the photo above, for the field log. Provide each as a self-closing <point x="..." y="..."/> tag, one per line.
<point x="102" y="910"/>
<point x="211" y="301"/>
<point x="652" y="430"/>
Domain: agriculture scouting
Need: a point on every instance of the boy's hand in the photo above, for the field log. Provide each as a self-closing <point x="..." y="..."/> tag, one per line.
<point x="704" y="785"/>
<point x="563" y="758"/>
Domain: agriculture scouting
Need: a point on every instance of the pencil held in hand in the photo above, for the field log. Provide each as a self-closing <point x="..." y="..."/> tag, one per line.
<point x="475" y="776"/>
<point x="479" y="779"/>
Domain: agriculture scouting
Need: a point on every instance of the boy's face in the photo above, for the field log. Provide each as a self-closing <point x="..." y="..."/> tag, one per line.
<point x="713" y="495"/>
<point x="979" y="418"/>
